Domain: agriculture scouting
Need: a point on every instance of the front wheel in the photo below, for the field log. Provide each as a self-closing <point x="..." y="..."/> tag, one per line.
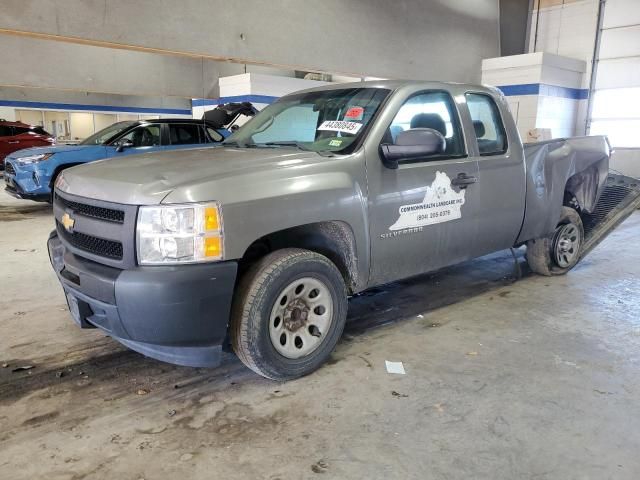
<point x="288" y="314"/>
<point x="559" y="252"/>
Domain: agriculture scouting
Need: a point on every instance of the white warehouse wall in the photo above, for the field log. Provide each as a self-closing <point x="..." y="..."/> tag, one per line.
<point x="616" y="104"/>
<point x="567" y="28"/>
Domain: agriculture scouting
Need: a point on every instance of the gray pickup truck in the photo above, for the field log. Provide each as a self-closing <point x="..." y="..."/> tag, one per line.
<point x="325" y="193"/>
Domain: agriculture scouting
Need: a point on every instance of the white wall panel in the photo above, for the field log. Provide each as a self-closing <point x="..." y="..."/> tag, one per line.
<point x="569" y="30"/>
<point x="618" y="73"/>
<point x="620" y="13"/>
<point x="616" y="100"/>
<point x="8" y="114"/>
<point x="626" y="161"/>
<point x="620" y="42"/>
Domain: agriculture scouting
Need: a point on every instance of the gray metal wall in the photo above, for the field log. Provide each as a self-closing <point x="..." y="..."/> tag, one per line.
<point x="514" y="15"/>
<point x="421" y="39"/>
<point x="88" y="98"/>
<point x="40" y="63"/>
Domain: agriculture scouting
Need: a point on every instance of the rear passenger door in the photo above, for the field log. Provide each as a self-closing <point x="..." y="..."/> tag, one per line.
<point x="7" y="142"/>
<point x="502" y="175"/>
<point x="27" y="137"/>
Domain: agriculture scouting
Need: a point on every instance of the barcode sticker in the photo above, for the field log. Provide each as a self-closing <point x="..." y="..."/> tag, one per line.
<point x="340" y="126"/>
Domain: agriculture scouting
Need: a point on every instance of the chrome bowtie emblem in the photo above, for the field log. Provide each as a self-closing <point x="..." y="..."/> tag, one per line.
<point x="68" y="222"/>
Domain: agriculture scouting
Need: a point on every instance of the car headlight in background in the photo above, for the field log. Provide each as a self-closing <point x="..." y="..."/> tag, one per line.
<point x="185" y="233"/>
<point x="33" y="158"/>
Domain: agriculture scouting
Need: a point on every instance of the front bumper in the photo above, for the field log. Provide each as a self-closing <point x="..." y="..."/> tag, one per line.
<point x="176" y="314"/>
<point x="26" y="182"/>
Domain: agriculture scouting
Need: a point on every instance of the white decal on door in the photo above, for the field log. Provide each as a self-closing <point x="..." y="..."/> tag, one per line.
<point x="441" y="204"/>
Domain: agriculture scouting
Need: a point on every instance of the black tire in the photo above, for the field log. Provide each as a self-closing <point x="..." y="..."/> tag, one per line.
<point x="255" y="298"/>
<point x="542" y="253"/>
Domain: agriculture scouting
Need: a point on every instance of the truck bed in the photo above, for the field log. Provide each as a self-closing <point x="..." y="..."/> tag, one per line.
<point x="577" y="167"/>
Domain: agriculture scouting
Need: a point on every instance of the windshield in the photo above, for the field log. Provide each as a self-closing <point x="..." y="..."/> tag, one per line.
<point x="328" y="120"/>
<point x="99" y="138"/>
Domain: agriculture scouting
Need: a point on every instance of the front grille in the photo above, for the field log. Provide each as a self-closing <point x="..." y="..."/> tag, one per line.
<point x="101" y="213"/>
<point x="91" y="244"/>
<point x="8" y="168"/>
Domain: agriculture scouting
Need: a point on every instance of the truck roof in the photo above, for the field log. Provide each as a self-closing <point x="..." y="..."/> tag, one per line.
<point x="397" y="84"/>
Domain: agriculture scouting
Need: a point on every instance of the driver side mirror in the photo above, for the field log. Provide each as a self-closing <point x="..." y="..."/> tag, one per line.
<point x="124" y="144"/>
<point x="411" y="145"/>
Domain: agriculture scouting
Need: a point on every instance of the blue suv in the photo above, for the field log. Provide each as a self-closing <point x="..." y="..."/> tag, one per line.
<point x="31" y="173"/>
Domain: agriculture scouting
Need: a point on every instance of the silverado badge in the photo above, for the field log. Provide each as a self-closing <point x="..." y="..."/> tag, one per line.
<point x="67" y="222"/>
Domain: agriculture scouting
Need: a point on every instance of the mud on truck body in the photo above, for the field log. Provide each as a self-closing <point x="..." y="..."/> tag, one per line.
<point x="325" y="193"/>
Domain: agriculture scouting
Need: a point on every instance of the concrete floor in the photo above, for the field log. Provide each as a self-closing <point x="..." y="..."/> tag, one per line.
<point x="535" y="378"/>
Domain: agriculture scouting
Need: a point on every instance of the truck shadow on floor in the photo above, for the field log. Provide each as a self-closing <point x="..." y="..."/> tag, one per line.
<point x="119" y="371"/>
<point x="15" y="213"/>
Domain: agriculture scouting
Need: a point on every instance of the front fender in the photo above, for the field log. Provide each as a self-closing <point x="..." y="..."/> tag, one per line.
<point x="257" y="204"/>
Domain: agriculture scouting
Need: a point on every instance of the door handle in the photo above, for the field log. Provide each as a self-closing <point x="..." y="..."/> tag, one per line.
<point x="463" y="180"/>
<point x="17" y="141"/>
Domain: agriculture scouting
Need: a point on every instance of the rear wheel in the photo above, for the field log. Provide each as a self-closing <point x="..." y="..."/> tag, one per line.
<point x="559" y="252"/>
<point x="288" y="314"/>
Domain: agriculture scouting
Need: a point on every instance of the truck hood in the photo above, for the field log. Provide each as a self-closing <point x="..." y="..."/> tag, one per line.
<point x="147" y="179"/>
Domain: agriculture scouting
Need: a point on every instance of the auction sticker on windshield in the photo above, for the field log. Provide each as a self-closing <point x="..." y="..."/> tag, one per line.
<point x="354" y="113"/>
<point x="340" y="126"/>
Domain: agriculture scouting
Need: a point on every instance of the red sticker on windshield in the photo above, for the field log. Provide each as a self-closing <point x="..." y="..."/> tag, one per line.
<point x="354" y="113"/>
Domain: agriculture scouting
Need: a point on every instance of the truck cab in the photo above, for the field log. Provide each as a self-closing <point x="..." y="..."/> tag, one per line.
<point x="322" y="195"/>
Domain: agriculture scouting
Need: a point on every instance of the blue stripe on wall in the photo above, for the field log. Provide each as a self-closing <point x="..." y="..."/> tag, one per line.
<point x="544" y="89"/>
<point x="203" y="102"/>
<point x="96" y="108"/>
<point x="508" y="90"/>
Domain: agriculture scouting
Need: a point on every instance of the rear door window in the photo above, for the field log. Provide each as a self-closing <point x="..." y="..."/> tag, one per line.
<point x="212" y="135"/>
<point x="5" y="131"/>
<point x="39" y="130"/>
<point x="19" y="130"/>
<point x="184" y="133"/>
<point x="487" y="124"/>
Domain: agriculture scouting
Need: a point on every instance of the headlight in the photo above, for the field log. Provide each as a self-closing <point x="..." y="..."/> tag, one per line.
<point x="189" y="233"/>
<point x="33" y="158"/>
<point x="61" y="184"/>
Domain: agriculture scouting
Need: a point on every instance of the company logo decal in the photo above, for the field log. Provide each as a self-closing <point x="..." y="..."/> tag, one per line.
<point x="441" y="204"/>
<point x="67" y="222"/>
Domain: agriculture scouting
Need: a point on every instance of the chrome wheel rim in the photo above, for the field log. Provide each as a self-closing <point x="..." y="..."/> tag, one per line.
<point x="301" y="317"/>
<point x="566" y="245"/>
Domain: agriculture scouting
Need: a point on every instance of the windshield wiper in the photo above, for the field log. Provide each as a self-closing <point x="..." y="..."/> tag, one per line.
<point x="284" y="144"/>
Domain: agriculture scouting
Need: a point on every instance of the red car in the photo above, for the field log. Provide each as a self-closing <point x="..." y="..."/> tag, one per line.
<point x="17" y="135"/>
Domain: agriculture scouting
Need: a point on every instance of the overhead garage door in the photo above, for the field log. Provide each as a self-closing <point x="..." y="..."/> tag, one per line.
<point x="616" y="101"/>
